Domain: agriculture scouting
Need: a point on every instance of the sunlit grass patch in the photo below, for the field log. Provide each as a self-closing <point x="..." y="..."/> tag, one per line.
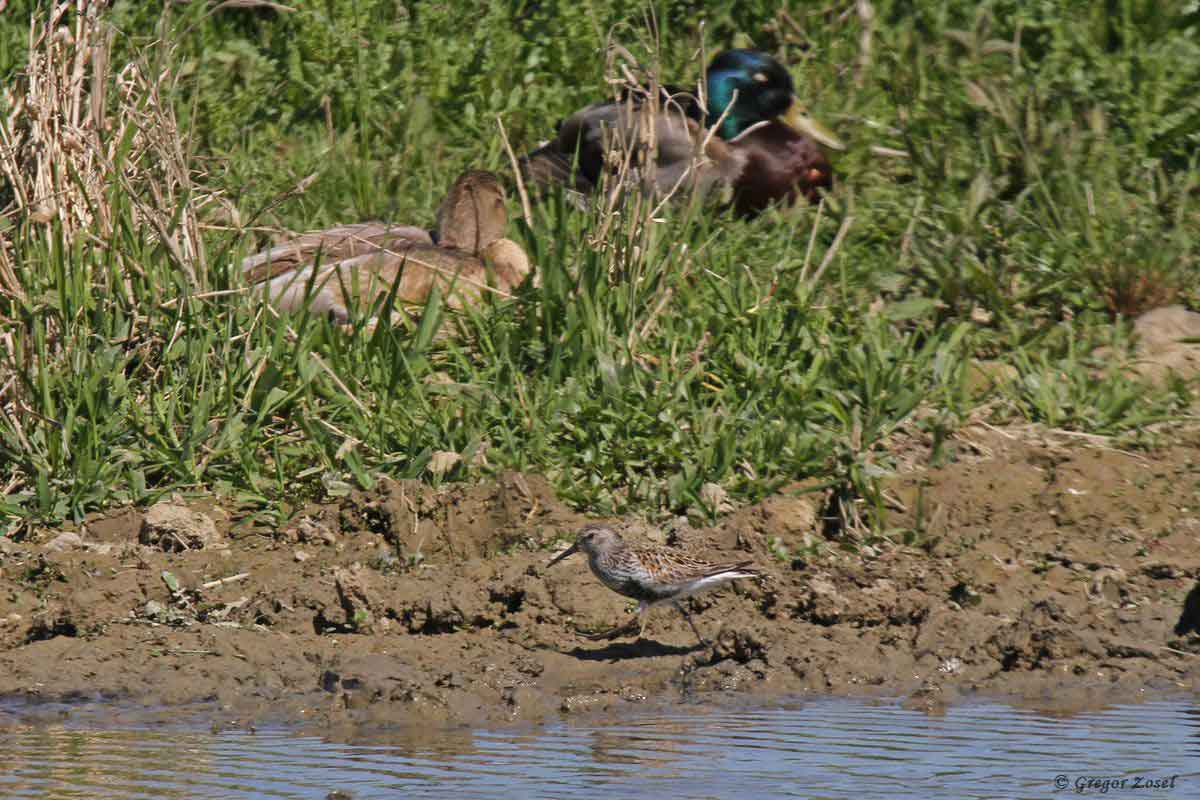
<point x="989" y="209"/>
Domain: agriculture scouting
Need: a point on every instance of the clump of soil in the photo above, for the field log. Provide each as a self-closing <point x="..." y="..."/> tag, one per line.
<point x="1064" y="575"/>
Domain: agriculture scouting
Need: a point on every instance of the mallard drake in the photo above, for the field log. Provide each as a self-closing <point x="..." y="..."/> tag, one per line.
<point x="766" y="146"/>
<point x="352" y="267"/>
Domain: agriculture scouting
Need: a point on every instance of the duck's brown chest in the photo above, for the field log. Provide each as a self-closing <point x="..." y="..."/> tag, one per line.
<point x="781" y="165"/>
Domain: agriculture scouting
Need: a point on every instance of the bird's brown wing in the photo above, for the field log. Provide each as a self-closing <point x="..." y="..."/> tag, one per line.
<point x="672" y="567"/>
<point x="329" y="246"/>
<point x="359" y="283"/>
<point x="746" y="567"/>
<point x="575" y="156"/>
<point x="662" y="147"/>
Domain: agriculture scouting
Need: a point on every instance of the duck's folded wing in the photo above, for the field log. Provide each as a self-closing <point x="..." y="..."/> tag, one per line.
<point x="358" y="283"/>
<point x="660" y="147"/>
<point x="328" y="246"/>
<point x="574" y="158"/>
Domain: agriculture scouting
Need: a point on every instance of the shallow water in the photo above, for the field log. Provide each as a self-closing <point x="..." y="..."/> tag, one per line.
<point x="822" y="749"/>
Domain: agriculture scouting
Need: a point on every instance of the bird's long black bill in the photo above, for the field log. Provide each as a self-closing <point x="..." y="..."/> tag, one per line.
<point x="569" y="551"/>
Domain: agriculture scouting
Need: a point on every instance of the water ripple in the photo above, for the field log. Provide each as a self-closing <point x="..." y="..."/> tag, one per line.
<point x="826" y="749"/>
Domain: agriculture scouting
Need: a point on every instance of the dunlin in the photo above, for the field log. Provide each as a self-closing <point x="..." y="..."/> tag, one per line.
<point x="650" y="575"/>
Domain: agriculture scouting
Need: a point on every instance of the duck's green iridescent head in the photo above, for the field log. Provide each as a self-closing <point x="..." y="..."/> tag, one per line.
<point x="756" y="88"/>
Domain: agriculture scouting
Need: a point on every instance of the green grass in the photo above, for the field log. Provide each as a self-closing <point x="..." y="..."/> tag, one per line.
<point x="1048" y="194"/>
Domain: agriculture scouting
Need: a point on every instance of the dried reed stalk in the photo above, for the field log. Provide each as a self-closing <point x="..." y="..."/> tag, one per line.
<point x="73" y="128"/>
<point x="628" y="210"/>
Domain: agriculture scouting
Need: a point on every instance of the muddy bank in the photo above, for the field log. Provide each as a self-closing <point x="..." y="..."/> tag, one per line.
<point x="1062" y="575"/>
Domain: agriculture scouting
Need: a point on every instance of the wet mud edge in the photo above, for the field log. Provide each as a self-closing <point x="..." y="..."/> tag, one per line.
<point x="1058" y="575"/>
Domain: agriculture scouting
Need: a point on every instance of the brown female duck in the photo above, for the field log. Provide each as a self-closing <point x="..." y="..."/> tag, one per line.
<point x="351" y="268"/>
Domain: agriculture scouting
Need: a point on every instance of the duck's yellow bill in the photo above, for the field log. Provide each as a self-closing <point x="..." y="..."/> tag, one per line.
<point x="798" y="120"/>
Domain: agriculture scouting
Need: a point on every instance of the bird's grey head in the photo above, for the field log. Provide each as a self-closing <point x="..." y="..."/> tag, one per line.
<point x="591" y="539"/>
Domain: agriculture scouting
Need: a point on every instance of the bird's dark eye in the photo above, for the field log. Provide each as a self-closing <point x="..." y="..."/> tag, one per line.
<point x="760" y="77"/>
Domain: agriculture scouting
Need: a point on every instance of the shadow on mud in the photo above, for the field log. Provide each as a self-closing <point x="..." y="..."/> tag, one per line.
<point x="642" y="648"/>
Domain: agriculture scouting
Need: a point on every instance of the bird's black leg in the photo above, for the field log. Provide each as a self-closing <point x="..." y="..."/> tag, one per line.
<point x="688" y="617"/>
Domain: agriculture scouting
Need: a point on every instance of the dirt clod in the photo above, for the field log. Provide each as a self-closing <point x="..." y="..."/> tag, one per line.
<point x="67" y="540"/>
<point x="173" y="528"/>
<point x="1167" y="343"/>
<point x="355" y="600"/>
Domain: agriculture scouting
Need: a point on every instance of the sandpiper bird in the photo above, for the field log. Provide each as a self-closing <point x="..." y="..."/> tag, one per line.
<point x="650" y="575"/>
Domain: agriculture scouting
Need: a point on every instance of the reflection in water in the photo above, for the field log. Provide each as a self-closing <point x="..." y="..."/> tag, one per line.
<point x="60" y="762"/>
<point x="1192" y="718"/>
<point x="824" y="749"/>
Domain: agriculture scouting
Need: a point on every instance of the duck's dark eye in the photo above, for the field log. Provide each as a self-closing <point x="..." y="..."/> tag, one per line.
<point x="760" y="77"/>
